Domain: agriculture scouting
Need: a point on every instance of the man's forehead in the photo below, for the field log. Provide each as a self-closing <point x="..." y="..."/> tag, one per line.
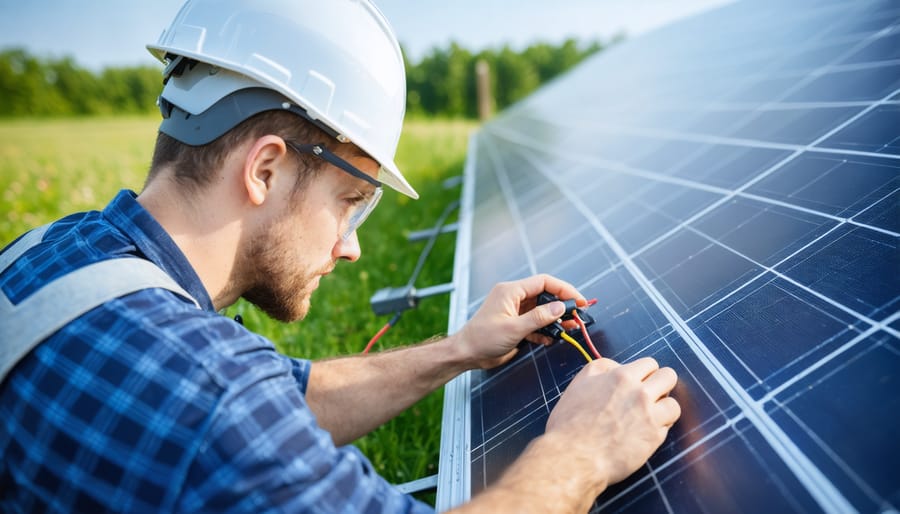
<point x="349" y="150"/>
<point x="356" y="154"/>
<point x="362" y="161"/>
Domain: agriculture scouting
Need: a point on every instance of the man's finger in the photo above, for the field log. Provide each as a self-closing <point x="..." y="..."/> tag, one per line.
<point x="536" y="284"/>
<point x="667" y="411"/>
<point x="661" y="382"/>
<point x="538" y="338"/>
<point x="541" y="316"/>
<point x="603" y="365"/>
<point x="641" y="368"/>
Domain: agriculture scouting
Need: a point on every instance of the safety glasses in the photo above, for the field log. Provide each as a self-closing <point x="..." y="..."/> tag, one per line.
<point x="360" y="211"/>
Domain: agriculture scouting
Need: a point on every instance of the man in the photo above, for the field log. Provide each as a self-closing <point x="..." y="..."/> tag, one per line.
<point x="123" y="388"/>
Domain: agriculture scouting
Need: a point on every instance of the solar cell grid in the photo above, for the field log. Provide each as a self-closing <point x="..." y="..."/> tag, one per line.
<point x="731" y="198"/>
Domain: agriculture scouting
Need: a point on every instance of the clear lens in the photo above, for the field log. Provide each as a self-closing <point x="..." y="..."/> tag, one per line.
<point x="362" y="211"/>
<point x="359" y="215"/>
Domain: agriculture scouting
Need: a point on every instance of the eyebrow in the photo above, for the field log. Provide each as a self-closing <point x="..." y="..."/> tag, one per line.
<point x="366" y="194"/>
<point x="356" y="151"/>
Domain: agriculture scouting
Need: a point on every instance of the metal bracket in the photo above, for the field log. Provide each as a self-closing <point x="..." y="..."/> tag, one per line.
<point x="451" y="182"/>
<point x="398" y="299"/>
<point x="419" y="235"/>
<point x="435" y="290"/>
<point x="414" y="486"/>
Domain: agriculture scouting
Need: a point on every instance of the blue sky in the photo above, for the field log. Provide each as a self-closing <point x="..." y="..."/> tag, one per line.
<point x="100" y="33"/>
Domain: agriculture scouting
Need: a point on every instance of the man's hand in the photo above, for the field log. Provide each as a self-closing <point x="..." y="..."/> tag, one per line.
<point x="608" y="422"/>
<point x="617" y="414"/>
<point x="509" y="315"/>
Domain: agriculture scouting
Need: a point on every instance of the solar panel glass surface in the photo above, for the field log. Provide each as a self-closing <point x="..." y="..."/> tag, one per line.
<point x="727" y="188"/>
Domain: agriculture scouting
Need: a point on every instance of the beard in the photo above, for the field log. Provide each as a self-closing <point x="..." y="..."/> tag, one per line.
<point x="278" y="285"/>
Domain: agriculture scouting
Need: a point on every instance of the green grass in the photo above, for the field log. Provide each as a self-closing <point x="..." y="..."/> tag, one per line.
<point x="51" y="168"/>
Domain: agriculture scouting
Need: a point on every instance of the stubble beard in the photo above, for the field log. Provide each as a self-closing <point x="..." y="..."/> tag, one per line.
<point x="280" y="286"/>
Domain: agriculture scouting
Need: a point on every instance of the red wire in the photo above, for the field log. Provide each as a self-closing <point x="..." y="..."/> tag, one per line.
<point x="584" y="332"/>
<point x="377" y="336"/>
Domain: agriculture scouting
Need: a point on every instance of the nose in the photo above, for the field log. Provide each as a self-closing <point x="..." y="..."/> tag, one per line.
<point x="348" y="249"/>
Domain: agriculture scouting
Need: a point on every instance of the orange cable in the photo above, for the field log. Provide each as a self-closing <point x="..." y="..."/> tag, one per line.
<point x="584" y="333"/>
<point x="376" y="337"/>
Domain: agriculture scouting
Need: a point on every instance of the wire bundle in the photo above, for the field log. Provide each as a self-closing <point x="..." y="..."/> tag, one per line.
<point x="584" y="333"/>
<point x="562" y="333"/>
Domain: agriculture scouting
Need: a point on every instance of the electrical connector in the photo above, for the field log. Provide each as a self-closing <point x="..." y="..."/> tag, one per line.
<point x="554" y="329"/>
<point x="394" y="299"/>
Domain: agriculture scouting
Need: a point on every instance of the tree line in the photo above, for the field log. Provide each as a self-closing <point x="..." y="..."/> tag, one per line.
<point x="442" y="83"/>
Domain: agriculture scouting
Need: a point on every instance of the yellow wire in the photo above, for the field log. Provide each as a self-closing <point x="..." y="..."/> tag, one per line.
<point x="574" y="343"/>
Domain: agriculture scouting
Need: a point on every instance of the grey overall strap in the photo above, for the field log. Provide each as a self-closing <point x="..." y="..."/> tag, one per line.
<point x="24" y="326"/>
<point x="25" y="242"/>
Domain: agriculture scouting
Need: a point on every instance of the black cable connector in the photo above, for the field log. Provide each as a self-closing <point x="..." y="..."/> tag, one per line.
<point x="556" y="329"/>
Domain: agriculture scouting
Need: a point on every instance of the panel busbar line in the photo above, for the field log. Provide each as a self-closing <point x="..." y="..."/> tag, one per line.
<point x="728" y="187"/>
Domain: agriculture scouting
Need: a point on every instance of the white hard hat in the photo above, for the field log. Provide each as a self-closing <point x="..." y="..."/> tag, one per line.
<point x="335" y="62"/>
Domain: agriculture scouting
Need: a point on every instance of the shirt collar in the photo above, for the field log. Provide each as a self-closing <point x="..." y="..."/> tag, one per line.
<point x="130" y="217"/>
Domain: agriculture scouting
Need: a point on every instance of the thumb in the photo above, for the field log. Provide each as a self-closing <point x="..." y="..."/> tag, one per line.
<point x="541" y="316"/>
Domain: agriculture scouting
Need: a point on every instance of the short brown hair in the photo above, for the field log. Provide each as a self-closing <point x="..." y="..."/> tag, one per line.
<point x="194" y="166"/>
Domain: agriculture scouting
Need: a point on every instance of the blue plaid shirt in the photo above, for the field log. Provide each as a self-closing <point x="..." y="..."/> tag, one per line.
<point x="148" y="404"/>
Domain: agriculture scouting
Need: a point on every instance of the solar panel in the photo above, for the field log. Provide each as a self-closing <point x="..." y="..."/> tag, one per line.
<point x="727" y="187"/>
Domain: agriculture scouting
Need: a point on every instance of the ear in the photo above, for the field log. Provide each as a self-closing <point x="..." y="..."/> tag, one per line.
<point x="260" y="167"/>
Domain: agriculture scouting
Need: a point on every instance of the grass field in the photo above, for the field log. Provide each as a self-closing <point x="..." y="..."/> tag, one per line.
<point x="51" y="168"/>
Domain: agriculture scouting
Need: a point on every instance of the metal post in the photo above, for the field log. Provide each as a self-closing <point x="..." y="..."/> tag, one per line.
<point x="483" y="87"/>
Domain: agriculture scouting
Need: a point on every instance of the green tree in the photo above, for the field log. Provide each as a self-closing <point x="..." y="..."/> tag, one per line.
<point x="443" y="82"/>
<point x="438" y="83"/>
<point x="76" y="87"/>
<point x="131" y="90"/>
<point x="514" y="77"/>
<point x="27" y="86"/>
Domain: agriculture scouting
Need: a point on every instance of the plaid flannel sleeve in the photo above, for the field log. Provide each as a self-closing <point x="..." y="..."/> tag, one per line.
<point x="264" y="451"/>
